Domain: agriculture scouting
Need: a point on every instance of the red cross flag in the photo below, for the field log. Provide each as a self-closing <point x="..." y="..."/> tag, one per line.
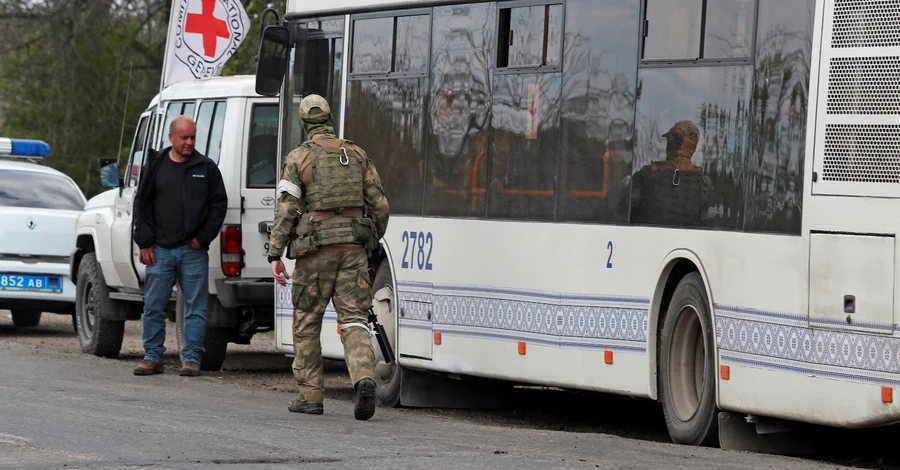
<point x="203" y="35"/>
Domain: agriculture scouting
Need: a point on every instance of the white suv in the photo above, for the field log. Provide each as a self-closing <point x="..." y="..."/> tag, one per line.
<point x="38" y="208"/>
<point x="238" y="130"/>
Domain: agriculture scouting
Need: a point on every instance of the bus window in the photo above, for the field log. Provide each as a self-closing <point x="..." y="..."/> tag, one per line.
<point x="777" y="154"/>
<point x="525" y="145"/>
<point x="597" y="110"/>
<point x="463" y="39"/>
<point x="673" y="29"/>
<point x="373" y="41"/>
<point x="689" y="156"/>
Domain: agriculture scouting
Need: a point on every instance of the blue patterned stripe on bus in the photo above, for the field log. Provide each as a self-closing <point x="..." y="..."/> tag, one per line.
<point x="812" y="370"/>
<point x="845" y="349"/>
<point x="764" y="315"/>
<point x="537" y="295"/>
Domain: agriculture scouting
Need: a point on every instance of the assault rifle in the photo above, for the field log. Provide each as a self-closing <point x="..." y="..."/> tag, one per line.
<point x="375" y="259"/>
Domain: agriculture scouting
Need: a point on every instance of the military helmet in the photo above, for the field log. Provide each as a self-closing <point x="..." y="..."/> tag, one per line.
<point x="682" y="129"/>
<point x="314" y="108"/>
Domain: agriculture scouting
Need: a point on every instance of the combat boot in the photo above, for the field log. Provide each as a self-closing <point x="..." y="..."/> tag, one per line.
<point x="365" y="399"/>
<point x="300" y="406"/>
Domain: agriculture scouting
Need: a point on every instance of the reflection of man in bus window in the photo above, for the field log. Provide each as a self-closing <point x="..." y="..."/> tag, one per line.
<point x="674" y="191"/>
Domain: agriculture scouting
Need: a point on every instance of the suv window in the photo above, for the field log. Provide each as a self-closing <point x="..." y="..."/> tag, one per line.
<point x="137" y="152"/>
<point x="175" y="109"/>
<point x="210" y="124"/>
<point x="262" y="152"/>
<point x="39" y="190"/>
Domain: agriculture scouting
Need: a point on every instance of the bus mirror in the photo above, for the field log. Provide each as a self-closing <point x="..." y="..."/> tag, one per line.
<point x="109" y="173"/>
<point x="270" y="68"/>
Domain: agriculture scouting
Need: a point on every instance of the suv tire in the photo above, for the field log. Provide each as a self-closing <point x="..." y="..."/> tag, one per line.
<point x="215" y="342"/>
<point x="26" y="318"/>
<point x="97" y="335"/>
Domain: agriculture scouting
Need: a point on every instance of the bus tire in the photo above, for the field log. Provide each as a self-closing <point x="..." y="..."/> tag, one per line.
<point x="687" y="366"/>
<point x="387" y="389"/>
<point x="97" y="335"/>
<point x="215" y="342"/>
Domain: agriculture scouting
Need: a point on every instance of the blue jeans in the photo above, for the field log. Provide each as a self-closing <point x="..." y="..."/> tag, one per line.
<point x="190" y="268"/>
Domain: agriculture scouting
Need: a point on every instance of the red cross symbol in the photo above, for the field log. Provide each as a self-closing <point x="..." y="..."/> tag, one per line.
<point x="209" y="26"/>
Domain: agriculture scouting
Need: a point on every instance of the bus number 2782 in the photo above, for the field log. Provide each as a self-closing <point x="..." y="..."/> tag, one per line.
<point x="417" y="250"/>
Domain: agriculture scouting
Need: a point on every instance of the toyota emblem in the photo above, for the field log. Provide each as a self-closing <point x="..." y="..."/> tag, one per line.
<point x="31" y="225"/>
<point x="268" y="201"/>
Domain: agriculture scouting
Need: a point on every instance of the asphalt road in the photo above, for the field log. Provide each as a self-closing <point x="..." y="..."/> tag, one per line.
<point x="64" y="409"/>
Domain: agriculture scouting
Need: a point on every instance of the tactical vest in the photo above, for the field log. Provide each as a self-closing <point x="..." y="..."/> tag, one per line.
<point x="338" y="178"/>
<point x="338" y="184"/>
<point x="670" y="198"/>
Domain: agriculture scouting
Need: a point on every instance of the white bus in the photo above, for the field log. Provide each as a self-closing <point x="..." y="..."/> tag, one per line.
<point x="691" y="201"/>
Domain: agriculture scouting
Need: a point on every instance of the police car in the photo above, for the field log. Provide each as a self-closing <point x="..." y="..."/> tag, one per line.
<point x="38" y="209"/>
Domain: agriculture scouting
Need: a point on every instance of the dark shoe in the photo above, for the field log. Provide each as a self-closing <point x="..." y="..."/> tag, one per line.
<point x="148" y="368"/>
<point x="299" y="406"/>
<point x="365" y="399"/>
<point x="190" y="369"/>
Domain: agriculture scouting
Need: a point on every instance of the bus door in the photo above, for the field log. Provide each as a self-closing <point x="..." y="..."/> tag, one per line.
<point x="315" y="66"/>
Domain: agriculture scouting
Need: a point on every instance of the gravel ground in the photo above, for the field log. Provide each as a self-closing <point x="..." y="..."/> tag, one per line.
<point x="257" y="366"/>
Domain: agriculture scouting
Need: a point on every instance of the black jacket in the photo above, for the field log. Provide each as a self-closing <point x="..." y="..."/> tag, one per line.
<point x="205" y="200"/>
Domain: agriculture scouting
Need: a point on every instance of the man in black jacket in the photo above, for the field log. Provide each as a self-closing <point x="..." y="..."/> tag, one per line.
<point x="179" y="210"/>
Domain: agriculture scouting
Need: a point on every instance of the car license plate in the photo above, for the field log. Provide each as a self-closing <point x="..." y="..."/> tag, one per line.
<point x="266" y="245"/>
<point x="29" y="282"/>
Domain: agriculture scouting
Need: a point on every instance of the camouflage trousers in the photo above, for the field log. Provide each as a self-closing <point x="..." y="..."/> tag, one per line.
<point x="341" y="277"/>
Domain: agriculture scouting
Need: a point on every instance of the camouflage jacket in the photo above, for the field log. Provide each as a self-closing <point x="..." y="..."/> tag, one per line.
<point x="297" y="171"/>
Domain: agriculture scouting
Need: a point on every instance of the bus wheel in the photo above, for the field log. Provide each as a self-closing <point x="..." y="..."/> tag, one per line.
<point x="388" y="376"/>
<point x="687" y="366"/>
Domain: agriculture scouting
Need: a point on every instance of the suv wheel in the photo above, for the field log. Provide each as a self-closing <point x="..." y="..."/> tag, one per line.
<point x="215" y="341"/>
<point x="97" y="336"/>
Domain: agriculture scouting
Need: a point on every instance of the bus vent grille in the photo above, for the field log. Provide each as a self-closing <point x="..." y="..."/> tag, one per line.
<point x="864" y="85"/>
<point x="866" y="23"/>
<point x="863" y="153"/>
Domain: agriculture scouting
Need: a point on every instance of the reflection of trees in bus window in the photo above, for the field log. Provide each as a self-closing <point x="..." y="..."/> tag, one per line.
<point x="385" y="117"/>
<point x="716" y="101"/>
<point x="525" y="138"/>
<point x="462" y="50"/>
<point x="598" y="99"/>
<point x="373" y="42"/>
<point x="729" y="28"/>
<point x="673" y="29"/>
<point x="411" y="55"/>
<point x="529" y="36"/>
<point x="775" y="167"/>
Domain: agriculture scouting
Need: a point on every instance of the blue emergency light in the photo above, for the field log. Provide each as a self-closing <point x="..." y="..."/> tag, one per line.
<point x="23" y="148"/>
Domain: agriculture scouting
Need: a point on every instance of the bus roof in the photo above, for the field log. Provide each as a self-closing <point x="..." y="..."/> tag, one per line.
<point x="307" y="8"/>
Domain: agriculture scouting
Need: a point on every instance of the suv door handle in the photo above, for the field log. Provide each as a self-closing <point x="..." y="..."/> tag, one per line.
<point x="265" y="227"/>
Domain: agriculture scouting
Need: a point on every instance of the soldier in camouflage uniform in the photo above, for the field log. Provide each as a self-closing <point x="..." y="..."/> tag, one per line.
<point x="331" y="212"/>
<point x="674" y="191"/>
